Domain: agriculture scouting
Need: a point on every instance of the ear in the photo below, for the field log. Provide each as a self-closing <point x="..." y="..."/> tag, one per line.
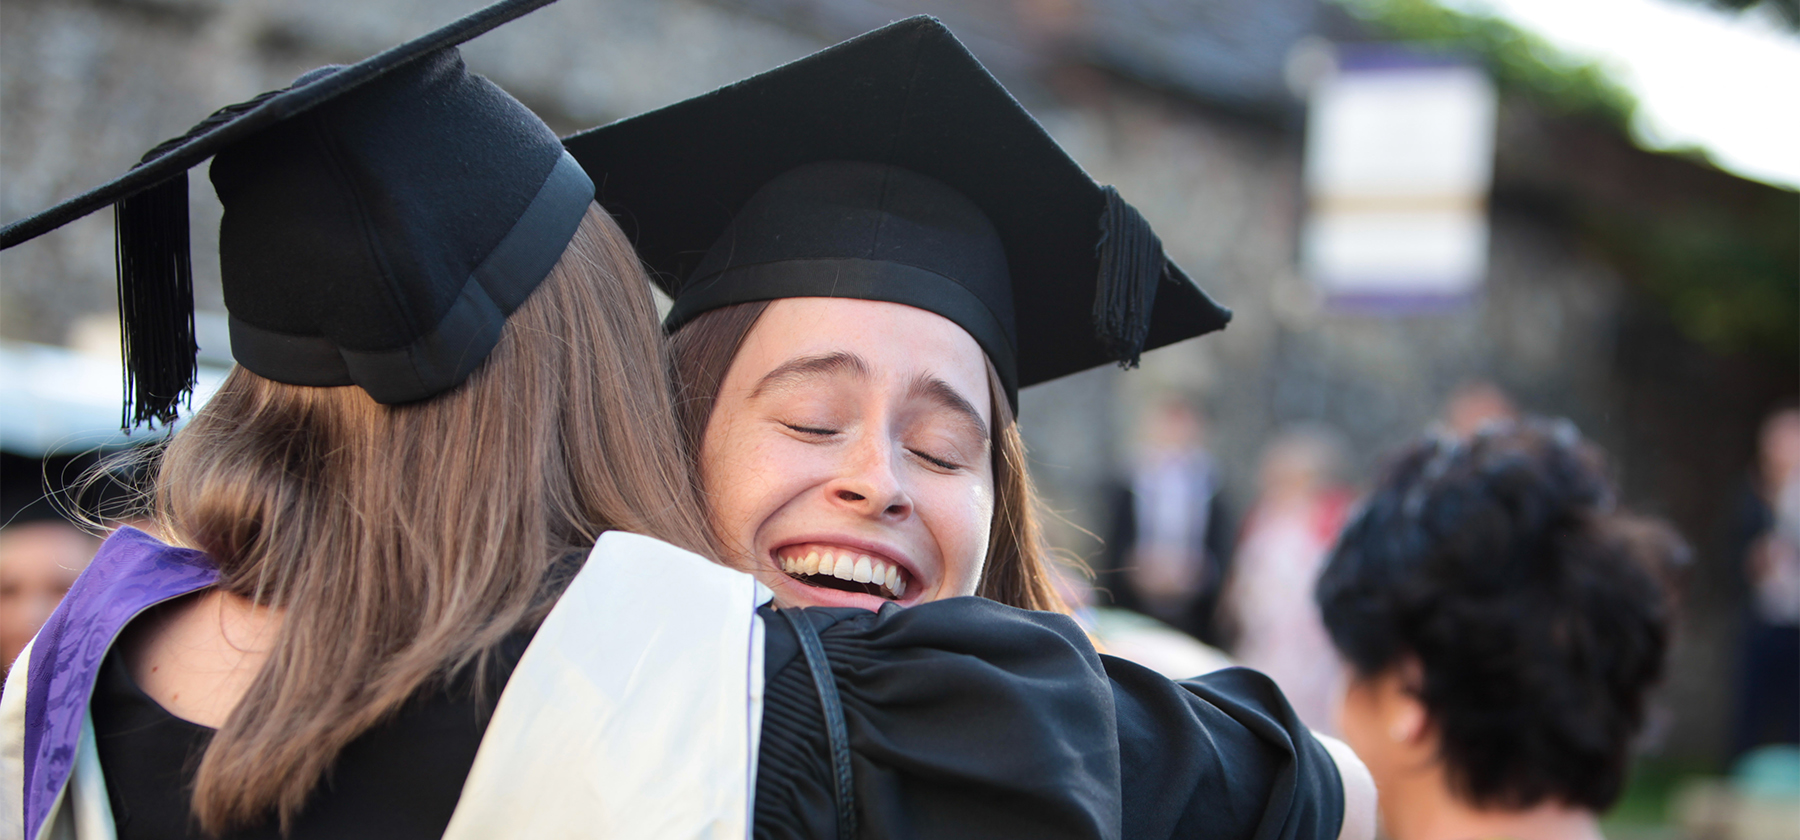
<point x="1407" y="719"/>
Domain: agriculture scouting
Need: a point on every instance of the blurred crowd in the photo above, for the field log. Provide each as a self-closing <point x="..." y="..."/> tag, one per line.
<point x="1416" y="640"/>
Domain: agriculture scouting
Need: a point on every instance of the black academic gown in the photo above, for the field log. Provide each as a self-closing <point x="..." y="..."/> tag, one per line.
<point x="965" y="719"/>
<point x="969" y="719"/>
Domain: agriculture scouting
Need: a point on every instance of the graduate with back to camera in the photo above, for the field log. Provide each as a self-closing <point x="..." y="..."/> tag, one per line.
<point x="415" y="547"/>
<point x="423" y="576"/>
<point x="870" y="251"/>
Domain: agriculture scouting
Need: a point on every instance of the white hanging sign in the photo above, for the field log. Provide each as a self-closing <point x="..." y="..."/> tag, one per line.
<point x="1399" y="158"/>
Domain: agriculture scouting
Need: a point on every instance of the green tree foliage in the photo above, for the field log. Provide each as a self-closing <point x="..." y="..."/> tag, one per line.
<point x="1729" y="280"/>
<point x="1522" y="63"/>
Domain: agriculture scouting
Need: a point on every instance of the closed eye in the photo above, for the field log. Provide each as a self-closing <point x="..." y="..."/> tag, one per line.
<point x="810" y="431"/>
<point x="934" y="461"/>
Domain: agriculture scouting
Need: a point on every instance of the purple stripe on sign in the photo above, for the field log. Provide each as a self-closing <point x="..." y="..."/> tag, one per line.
<point x="132" y="572"/>
<point x="1397" y="57"/>
<point x="1400" y="304"/>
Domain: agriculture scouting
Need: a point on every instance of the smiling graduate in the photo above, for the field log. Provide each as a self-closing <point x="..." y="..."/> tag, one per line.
<point x="870" y="251"/>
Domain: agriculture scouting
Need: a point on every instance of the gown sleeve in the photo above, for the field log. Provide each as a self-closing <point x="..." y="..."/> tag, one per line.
<point x="1222" y="755"/>
<point x="966" y="719"/>
<point x="969" y="719"/>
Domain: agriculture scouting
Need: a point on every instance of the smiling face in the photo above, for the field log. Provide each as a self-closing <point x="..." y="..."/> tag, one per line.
<point x="847" y="457"/>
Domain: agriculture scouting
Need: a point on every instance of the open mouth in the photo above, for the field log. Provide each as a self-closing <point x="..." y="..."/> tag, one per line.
<point x="843" y="570"/>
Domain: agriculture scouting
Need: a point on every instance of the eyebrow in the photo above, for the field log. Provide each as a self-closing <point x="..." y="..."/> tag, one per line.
<point x="938" y="391"/>
<point x="793" y="371"/>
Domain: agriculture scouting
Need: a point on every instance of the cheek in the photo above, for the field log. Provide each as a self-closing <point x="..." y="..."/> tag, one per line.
<point x="749" y="474"/>
<point x="964" y="529"/>
<point x="17" y="613"/>
<point x="732" y="478"/>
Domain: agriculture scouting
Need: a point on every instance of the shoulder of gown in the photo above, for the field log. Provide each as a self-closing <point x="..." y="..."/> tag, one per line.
<point x="968" y="718"/>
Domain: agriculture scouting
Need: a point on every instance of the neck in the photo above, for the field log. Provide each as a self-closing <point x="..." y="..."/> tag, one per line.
<point x="1425" y="809"/>
<point x="197" y="656"/>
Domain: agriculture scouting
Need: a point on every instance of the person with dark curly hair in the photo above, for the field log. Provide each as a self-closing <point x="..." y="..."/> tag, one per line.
<point x="1503" y="621"/>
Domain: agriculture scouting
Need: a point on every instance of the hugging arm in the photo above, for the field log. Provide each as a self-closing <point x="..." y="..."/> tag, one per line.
<point x="970" y="719"/>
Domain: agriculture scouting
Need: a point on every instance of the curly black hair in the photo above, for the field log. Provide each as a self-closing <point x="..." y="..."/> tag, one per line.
<point x="1539" y="613"/>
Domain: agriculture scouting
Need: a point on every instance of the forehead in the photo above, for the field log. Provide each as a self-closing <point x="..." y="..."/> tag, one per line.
<point x="899" y="342"/>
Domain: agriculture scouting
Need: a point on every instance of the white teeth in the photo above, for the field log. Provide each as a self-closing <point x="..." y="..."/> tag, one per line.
<point x="860" y="568"/>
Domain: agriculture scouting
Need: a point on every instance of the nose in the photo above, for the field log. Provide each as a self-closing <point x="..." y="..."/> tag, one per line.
<point x="869" y="485"/>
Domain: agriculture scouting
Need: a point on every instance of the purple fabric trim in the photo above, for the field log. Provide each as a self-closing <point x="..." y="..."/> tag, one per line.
<point x="132" y="572"/>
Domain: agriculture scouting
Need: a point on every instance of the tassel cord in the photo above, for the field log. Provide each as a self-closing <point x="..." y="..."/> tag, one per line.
<point x="1131" y="265"/>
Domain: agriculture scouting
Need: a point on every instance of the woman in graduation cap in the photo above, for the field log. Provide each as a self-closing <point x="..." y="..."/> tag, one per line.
<point x="869" y="252"/>
<point x="368" y="620"/>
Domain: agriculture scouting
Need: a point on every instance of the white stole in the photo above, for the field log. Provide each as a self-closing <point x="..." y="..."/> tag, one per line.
<point x="634" y="712"/>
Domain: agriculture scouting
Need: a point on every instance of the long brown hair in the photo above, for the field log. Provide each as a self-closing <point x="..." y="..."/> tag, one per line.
<point x="1017" y="571"/>
<point x="403" y="542"/>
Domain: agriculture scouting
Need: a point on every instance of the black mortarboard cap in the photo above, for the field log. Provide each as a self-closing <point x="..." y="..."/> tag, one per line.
<point x="382" y="220"/>
<point x="894" y="167"/>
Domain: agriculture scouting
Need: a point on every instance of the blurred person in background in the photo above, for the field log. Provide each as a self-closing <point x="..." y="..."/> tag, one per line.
<point x="1475" y="403"/>
<point x="1296" y="517"/>
<point x="1132" y="635"/>
<point x="41" y="553"/>
<point x="1171" y="532"/>
<point x="40" y="558"/>
<point x="1503" y="621"/>
<point x="1766" y="546"/>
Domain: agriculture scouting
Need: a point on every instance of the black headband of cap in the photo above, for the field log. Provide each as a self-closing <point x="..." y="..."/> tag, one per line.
<point x="863" y="230"/>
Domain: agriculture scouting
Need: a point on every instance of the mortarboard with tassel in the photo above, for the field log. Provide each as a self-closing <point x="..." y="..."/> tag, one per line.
<point x="894" y="167"/>
<point x="382" y="220"/>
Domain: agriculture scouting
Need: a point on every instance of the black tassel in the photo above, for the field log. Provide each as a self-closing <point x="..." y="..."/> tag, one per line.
<point x="1131" y="265"/>
<point x="156" y="285"/>
<point x="156" y="302"/>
